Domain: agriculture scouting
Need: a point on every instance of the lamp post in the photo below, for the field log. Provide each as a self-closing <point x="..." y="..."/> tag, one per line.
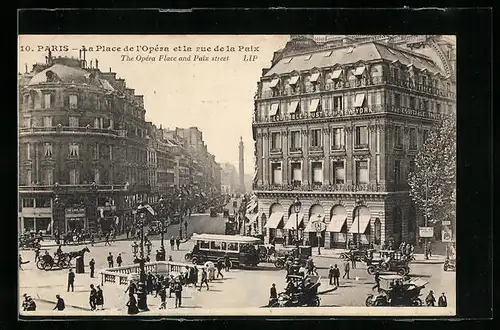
<point x="319" y="229"/>
<point x="141" y="217"/>
<point x="297" y="206"/>
<point x="161" y="214"/>
<point x="358" y="204"/>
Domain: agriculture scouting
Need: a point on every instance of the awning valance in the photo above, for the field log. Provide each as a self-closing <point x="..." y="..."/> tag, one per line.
<point x="252" y="217"/>
<point x="336" y="223"/>
<point x="292" y="107"/>
<point x="360" y="99"/>
<point x="274" y="82"/>
<point x="251" y="206"/>
<point x="336" y="74"/>
<point x="310" y="228"/>
<point x="293" y="80"/>
<point x="293" y="219"/>
<point x="314" y="105"/>
<point x="359" y="70"/>
<point x="363" y="221"/>
<point x="274" y="109"/>
<point x="314" y="77"/>
<point x="274" y="220"/>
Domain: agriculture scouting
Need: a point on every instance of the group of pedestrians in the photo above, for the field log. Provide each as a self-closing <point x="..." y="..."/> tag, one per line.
<point x="96" y="299"/>
<point x="334" y="273"/>
<point x="406" y="248"/>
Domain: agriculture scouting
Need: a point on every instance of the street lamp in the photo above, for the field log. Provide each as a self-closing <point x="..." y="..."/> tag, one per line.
<point x="142" y="217"/>
<point x="297" y="206"/>
<point x="358" y="204"/>
<point x="162" y="216"/>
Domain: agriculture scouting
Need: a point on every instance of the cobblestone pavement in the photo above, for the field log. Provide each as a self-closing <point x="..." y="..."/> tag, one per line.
<point x="238" y="289"/>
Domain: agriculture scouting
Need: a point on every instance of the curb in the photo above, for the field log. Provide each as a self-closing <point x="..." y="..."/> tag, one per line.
<point x="72" y="306"/>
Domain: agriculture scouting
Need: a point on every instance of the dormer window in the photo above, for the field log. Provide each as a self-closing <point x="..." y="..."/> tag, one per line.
<point x="51" y="76"/>
<point x="274" y="86"/>
<point x="275" y="107"/>
<point x="314" y="80"/>
<point x="359" y="71"/>
<point x="336" y="74"/>
<point x="46" y="101"/>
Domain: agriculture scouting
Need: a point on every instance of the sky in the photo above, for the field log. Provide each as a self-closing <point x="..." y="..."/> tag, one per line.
<point x="215" y="96"/>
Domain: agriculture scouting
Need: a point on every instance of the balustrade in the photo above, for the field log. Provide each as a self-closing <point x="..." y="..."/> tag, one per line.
<point x="58" y="129"/>
<point x="369" y="187"/>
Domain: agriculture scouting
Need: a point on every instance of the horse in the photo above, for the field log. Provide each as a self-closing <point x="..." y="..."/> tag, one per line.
<point x="76" y="254"/>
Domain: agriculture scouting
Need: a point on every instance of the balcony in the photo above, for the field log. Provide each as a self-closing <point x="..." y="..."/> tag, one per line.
<point x="352" y="112"/>
<point x="275" y="151"/>
<point x="295" y="150"/>
<point x="359" y="83"/>
<point x="70" y="188"/>
<point x="68" y="130"/>
<point x="335" y="187"/>
<point x="316" y="149"/>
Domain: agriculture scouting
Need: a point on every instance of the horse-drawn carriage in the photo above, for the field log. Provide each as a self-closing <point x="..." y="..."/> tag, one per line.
<point x="62" y="261"/>
<point x="387" y="261"/>
<point x="395" y="291"/>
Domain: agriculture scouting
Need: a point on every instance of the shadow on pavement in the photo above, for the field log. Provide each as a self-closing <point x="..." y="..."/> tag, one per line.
<point x="415" y="275"/>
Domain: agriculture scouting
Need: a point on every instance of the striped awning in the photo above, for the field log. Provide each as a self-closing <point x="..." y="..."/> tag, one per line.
<point x="363" y="222"/>
<point x="274" y="220"/>
<point x="293" y="220"/>
<point x="336" y="223"/>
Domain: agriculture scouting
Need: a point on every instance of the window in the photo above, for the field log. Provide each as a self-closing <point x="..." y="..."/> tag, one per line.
<point x="378" y="231"/>
<point x="359" y="100"/>
<point x="425" y="105"/>
<point x="317" y="173"/>
<point x="438" y="107"/>
<point x="205" y="245"/>
<point x="275" y="140"/>
<point x="26" y="122"/>
<point x="46" y="101"/>
<point x="42" y="202"/>
<point x="424" y="80"/>
<point x="73" y="101"/>
<point x="396" y="74"/>
<point x="28" y="202"/>
<point x="412" y="102"/>
<point x="49" y="177"/>
<point x="110" y="152"/>
<point x="316" y="138"/>
<point x="339" y="172"/>
<point x="412" y="166"/>
<point x="28" y="180"/>
<point x="96" y="151"/>
<point x="398" y="136"/>
<point x="97" y="176"/>
<point x="413" y="138"/>
<point x="73" y="122"/>
<point x="47" y="150"/>
<point x="28" y="151"/>
<point x="296" y="173"/>
<point x="47" y="121"/>
<point x="337" y="103"/>
<point x="361" y="172"/>
<point x="74" y="176"/>
<point x="215" y="245"/>
<point x="74" y="150"/>
<point x="97" y="124"/>
<point x="295" y="140"/>
<point x="276" y="173"/>
<point x="397" y="99"/>
<point x="397" y="171"/>
<point x="338" y="139"/>
<point x="361" y="138"/>
<point x="232" y="247"/>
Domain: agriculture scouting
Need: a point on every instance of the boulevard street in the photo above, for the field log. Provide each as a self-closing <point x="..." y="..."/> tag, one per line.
<point x="239" y="288"/>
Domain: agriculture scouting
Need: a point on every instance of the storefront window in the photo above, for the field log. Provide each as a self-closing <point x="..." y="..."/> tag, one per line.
<point x="29" y="224"/>
<point x="28" y="202"/>
<point x="76" y="224"/>
<point x="42" y="224"/>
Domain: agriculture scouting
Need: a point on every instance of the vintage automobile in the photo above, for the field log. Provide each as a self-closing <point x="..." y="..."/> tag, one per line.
<point x="213" y="212"/>
<point x="283" y="253"/>
<point x="300" y="291"/>
<point x="225" y="213"/>
<point x="395" y="291"/>
<point x="450" y="264"/>
<point x="267" y="252"/>
<point x="387" y="261"/>
<point x="359" y="254"/>
<point x="241" y="250"/>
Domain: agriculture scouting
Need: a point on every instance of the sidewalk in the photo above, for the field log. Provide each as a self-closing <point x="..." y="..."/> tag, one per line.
<point x="419" y="257"/>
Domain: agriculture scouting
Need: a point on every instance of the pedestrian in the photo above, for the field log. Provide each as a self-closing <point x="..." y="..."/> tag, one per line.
<point x="92" y="267"/>
<point x="157" y="256"/>
<point x="430" y="300"/>
<point x="353" y="261"/>
<point x="132" y="304"/>
<point x="92" y="297"/>
<point x="219" y="266"/>
<point x="99" y="301"/>
<point x="227" y="262"/>
<point x="142" y="297"/>
<point x="107" y="239"/>
<point x="336" y="275"/>
<point x="178" y="294"/>
<point x="377" y="282"/>
<point x="127" y="232"/>
<point x="29" y="304"/>
<point x="204" y="279"/>
<point x="60" y="303"/>
<point x="429" y="249"/>
<point x="110" y="260"/>
<point x="195" y="275"/>
<point x="442" y="301"/>
<point x="330" y="274"/>
<point x="149" y="283"/>
<point x="37" y="253"/>
<point x="158" y="285"/>
<point x="71" y="280"/>
<point x="92" y="238"/>
<point x="132" y="288"/>
<point x="172" y="243"/>
<point x="163" y="297"/>
<point x="347" y="268"/>
<point x="119" y="260"/>
<point x="178" y="242"/>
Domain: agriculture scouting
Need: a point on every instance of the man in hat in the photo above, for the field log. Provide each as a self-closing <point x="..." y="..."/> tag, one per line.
<point x="430" y="300"/>
<point x="60" y="303"/>
<point x="71" y="280"/>
<point x="336" y="275"/>
<point x="92" y="298"/>
<point x="119" y="259"/>
<point x="330" y="274"/>
<point x="442" y="301"/>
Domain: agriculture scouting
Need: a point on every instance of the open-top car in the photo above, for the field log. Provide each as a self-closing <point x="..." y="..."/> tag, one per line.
<point x="300" y="291"/>
<point x="396" y="291"/>
<point x="387" y="261"/>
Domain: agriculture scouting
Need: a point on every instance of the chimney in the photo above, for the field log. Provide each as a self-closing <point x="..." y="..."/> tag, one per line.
<point x="96" y="63"/>
<point x="109" y="69"/>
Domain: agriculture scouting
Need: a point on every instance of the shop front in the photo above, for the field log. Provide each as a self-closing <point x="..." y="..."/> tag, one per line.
<point x="337" y="228"/>
<point x="274" y="225"/>
<point x="75" y="219"/>
<point x="360" y="226"/>
<point x="294" y="226"/>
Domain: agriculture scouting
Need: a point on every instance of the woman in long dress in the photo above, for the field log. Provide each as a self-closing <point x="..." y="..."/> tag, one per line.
<point x="132" y="305"/>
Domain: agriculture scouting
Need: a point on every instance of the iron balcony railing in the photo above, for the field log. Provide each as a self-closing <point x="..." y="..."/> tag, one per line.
<point x="369" y="187"/>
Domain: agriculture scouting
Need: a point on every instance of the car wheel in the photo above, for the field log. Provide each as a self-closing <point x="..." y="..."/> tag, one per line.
<point x="418" y="302"/>
<point x="194" y="260"/>
<point x="402" y="271"/>
<point x="371" y="270"/>
<point x="39" y="264"/>
<point x="187" y="256"/>
<point x="368" y="301"/>
<point x="47" y="266"/>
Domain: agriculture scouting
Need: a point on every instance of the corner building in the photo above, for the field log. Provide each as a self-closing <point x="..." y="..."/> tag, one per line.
<point x="82" y="138"/>
<point x="337" y="124"/>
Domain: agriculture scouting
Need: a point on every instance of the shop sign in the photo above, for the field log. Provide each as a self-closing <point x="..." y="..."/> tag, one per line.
<point x="75" y="212"/>
<point x="426" y="231"/>
<point x="446" y="222"/>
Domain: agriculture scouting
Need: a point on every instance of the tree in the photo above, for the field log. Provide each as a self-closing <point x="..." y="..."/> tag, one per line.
<point x="433" y="181"/>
